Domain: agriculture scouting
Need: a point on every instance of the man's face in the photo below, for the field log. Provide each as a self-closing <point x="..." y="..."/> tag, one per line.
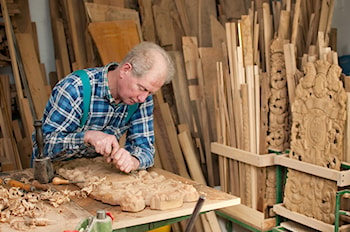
<point x="133" y="89"/>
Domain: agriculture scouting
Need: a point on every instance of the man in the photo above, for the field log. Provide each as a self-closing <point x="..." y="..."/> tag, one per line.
<point x="114" y="88"/>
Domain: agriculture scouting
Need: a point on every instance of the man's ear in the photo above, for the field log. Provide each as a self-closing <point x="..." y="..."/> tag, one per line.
<point x="125" y="69"/>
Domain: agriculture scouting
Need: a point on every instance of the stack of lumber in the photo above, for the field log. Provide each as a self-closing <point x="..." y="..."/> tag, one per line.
<point x="29" y="93"/>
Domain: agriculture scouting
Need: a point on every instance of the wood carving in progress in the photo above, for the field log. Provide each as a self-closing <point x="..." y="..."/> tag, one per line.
<point x="133" y="192"/>
<point x="318" y="114"/>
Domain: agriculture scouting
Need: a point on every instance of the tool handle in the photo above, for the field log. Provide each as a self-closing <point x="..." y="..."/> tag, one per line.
<point x="57" y="181"/>
<point x="15" y="183"/>
<point x="39" y="137"/>
<point x="37" y="185"/>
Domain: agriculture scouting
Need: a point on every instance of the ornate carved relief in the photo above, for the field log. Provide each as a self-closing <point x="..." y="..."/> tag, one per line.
<point x="278" y="132"/>
<point x="318" y="120"/>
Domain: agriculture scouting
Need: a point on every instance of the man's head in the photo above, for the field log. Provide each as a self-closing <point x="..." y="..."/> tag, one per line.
<point x="143" y="71"/>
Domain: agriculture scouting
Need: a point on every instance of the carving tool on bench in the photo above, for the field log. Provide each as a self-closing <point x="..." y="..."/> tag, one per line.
<point x="195" y="214"/>
<point x="15" y="183"/>
<point x="58" y="181"/>
<point x="43" y="170"/>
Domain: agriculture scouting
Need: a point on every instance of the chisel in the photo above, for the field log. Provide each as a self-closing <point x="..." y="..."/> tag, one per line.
<point x="57" y="181"/>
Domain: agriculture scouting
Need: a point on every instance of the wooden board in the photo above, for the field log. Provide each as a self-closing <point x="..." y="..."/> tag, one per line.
<point x="35" y="79"/>
<point x="101" y="12"/>
<point x="114" y="39"/>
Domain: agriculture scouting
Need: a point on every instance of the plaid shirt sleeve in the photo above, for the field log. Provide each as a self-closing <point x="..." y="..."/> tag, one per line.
<point x="62" y="117"/>
<point x="140" y="135"/>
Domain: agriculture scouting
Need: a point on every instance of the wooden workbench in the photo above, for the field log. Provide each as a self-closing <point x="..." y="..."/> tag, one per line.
<point x="69" y="215"/>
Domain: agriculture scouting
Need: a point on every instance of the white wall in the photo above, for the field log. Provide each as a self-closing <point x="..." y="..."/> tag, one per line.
<point x="40" y="14"/>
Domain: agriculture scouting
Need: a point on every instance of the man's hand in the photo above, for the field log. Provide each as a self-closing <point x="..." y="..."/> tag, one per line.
<point x="124" y="161"/>
<point x="105" y="144"/>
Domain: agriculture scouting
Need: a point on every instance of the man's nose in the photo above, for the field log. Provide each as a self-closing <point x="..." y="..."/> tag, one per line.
<point x="142" y="97"/>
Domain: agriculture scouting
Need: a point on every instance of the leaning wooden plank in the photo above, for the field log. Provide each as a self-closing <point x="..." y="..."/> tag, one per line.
<point x="174" y="142"/>
<point x="114" y="39"/>
<point x="267" y="34"/>
<point x="190" y="157"/>
<point x="148" y="26"/>
<point x="13" y="56"/>
<point x="181" y="91"/>
<point x="181" y="9"/>
<point x="6" y="128"/>
<point x="77" y="29"/>
<point x="291" y="69"/>
<point x="5" y="80"/>
<point x="100" y="12"/>
<point x="27" y="118"/>
<point x="162" y="141"/>
<point x="31" y="65"/>
<point x="25" y="151"/>
<point x="210" y="220"/>
<point x="22" y="21"/>
<point x="163" y="22"/>
<point x="62" y="48"/>
<point x="205" y="10"/>
<point x="347" y="130"/>
<point x="203" y="111"/>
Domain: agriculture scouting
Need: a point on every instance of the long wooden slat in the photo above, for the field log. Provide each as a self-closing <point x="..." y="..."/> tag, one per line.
<point x="148" y="27"/>
<point x="162" y="141"/>
<point x="209" y="219"/>
<point x="31" y="65"/>
<point x="174" y="142"/>
<point x="181" y="91"/>
<point x="6" y="128"/>
<point x="77" y="28"/>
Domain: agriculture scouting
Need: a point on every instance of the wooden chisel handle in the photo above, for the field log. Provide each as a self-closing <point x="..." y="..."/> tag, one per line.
<point x="15" y="183"/>
<point x="57" y="181"/>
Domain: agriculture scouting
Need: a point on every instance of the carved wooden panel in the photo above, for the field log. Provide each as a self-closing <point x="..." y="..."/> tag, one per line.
<point x="278" y="132"/>
<point x="318" y="121"/>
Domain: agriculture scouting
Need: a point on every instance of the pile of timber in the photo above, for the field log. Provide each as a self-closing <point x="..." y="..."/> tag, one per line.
<point x="238" y="63"/>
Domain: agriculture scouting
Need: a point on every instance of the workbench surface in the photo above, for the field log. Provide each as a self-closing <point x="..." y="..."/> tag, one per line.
<point x="69" y="215"/>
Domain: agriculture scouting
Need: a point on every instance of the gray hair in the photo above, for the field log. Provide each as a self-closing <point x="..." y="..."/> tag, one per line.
<point x="141" y="57"/>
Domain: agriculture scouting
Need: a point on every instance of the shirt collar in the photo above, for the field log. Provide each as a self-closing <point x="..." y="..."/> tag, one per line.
<point x="108" y="95"/>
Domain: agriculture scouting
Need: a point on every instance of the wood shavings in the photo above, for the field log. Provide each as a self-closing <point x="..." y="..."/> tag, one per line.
<point x="27" y="210"/>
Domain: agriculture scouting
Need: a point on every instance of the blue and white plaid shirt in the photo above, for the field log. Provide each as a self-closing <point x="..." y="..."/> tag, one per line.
<point x="63" y="136"/>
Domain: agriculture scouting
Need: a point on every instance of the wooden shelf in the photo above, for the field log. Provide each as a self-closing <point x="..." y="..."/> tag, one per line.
<point x="257" y="160"/>
<point x="341" y="177"/>
<point x="304" y="220"/>
<point x="248" y="216"/>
